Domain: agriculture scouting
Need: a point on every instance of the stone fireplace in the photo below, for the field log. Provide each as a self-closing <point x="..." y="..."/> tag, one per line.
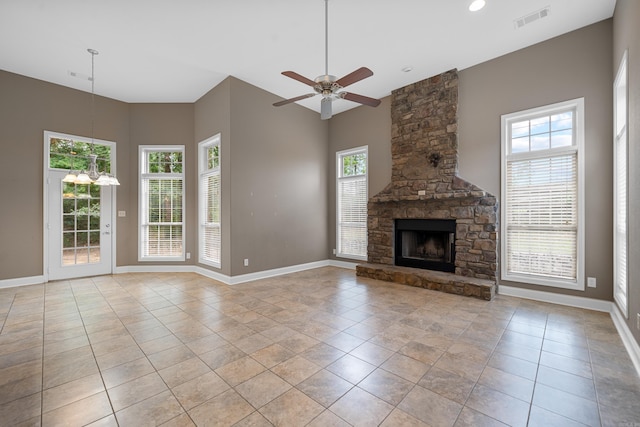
<point x="425" y="186"/>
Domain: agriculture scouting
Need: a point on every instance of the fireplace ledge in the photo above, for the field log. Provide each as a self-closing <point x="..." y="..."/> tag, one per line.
<point x="429" y="279"/>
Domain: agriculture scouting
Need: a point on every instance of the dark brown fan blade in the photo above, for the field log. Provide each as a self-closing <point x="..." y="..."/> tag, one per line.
<point x="356" y="76"/>
<point x="297" y="98"/>
<point x="360" y="99"/>
<point x="295" y="76"/>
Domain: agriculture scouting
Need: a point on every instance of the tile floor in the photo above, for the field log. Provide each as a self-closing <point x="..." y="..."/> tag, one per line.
<point x="317" y="348"/>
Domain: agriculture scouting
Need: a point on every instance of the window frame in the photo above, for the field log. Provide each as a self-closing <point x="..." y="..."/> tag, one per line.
<point x="577" y="106"/>
<point x="621" y="89"/>
<point x="205" y="172"/>
<point x="340" y="178"/>
<point x="143" y="176"/>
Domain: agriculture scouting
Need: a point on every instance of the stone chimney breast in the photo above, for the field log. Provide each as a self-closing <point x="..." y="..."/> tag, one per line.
<point x="425" y="182"/>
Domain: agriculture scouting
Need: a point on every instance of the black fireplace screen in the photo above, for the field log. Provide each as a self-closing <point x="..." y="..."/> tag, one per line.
<point x="425" y="243"/>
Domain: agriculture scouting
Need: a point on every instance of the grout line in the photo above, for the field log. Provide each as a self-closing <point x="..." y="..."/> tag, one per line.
<point x="75" y="299"/>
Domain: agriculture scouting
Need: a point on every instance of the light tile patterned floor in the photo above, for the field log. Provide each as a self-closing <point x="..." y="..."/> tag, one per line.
<point x="318" y="348"/>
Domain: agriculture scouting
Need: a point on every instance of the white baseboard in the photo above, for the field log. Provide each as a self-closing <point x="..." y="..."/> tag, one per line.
<point x="344" y="264"/>
<point x="561" y="299"/>
<point x="233" y="280"/>
<point x="627" y="337"/>
<point x="223" y="278"/>
<point x="229" y="280"/>
<point x="243" y="278"/>
<point x="156" y="269"/>
<point x="21" y="281"/>
<point x="587" y="303"/>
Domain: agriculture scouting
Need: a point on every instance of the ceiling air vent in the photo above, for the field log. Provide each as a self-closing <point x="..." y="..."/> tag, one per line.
<point x="532" y="17"/>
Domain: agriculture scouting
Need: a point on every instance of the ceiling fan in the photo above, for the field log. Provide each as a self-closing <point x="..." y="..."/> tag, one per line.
<point x="329" y="86"/>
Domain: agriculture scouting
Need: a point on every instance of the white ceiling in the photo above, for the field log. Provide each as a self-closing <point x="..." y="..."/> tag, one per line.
<point x="176" y="51"/>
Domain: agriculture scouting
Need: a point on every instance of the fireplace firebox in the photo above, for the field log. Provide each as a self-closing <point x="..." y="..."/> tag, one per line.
<point x="426" y="243"/>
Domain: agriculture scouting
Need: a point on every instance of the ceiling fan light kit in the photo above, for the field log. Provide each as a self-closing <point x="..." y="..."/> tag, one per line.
<point x="329" y="86"/>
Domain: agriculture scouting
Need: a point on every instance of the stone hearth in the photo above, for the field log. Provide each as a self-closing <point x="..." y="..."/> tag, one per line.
<point x="425" y="185"/>
<point x="428" y="279"/>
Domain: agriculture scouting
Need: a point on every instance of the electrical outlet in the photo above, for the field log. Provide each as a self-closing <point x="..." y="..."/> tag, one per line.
<point x="334" y="251"/>
<point x="246" y="262"/>
<point x="638" y="321"/>
<point x="188" y="255"/>
<point x="591" y="282"/>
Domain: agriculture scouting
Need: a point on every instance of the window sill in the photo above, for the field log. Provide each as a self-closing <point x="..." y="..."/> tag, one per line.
<point x="543" y="281"/>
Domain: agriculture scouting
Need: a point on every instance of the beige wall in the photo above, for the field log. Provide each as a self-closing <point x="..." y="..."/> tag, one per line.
<point x="212" y="117"/>
<point x="355" y="128"/>
<point x="158" y="124"/>
<point x="28" y="107"/>
<point x="274" y="170"/>
<point x="626" y="35"/>
<point x="278" y="182"/>
<point x="274" y="163"/>
<point x="574" y="65"/>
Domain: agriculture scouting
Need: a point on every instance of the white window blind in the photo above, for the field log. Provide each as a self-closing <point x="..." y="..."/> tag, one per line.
<point x="210" y="239"/>
<point x="621" y="177"/>
<point x="541" y="196"/>
<point x="161" y="203"/>
<point x="352" y="203"/>
<point x="542" y="220"/>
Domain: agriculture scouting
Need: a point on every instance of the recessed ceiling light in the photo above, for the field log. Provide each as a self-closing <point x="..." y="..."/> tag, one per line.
<point x="406" y="69"/>
<point x="476" y="5"/>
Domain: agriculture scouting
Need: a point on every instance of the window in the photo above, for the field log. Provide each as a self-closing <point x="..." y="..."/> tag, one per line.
<point x="542" y="196"/>
<point x="72" y="153"/>
<point x="351" y="192"/>
<point x="209" y="201"/>
<point x="161" y="203"/>
<point x="620" y="183"/>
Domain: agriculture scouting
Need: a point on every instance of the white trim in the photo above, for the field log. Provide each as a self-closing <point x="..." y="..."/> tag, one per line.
<point x="22" y="281"/>
<point x="45" y="210"/>
<point x="155" y="269"/>
<point x="45" y="195"/>
<point x="234" y="280"/>
<point x="627" y="337"/>
<point x="142" y="203"/>
<point x="228" y="280"/>
<point x="343" y="264"/>
<point x="203" y="170"/>
<point x="561" y="299"/>
<point x="621" y="297"/>
<point x="339" y="178"/>
<point x="213" y="275"/>
<point x="505" y="156"/>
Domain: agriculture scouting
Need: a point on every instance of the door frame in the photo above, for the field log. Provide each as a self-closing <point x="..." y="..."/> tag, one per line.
<point x="45" y="197"/>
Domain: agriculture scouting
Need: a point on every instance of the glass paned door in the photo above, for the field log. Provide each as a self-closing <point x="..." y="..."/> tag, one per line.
<point x="79" y="229"/>
<point x="80" y="224"/>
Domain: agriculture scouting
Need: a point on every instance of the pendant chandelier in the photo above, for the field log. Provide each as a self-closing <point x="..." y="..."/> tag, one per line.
<point x="92" y="175"/>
